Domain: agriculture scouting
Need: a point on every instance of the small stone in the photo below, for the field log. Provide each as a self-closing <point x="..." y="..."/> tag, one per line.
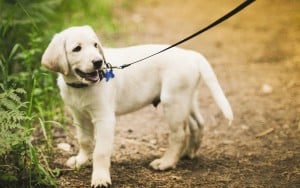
<point x="266" y="89"/>
<point x="130" y="131"/>
<point x="64" y="147"/>
<point x="245" y="127"/>
<point x="176" y="177"/>
<point x="286" y="126"/>
<point x="153" y="141"/>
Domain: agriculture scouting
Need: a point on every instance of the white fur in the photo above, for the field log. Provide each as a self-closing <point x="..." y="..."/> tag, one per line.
<point x="172" y="77"/>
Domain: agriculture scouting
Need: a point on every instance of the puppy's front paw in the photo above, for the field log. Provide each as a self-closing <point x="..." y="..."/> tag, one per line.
<point x="102" y="186"/>
<point x="162" y="164"/>
<point x="76" y="162"/>
<point x="101" y="179"/>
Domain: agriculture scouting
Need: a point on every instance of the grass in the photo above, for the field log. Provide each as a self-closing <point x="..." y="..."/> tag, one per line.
<point x="26" y="27"/>
<point x="98" y="14"/>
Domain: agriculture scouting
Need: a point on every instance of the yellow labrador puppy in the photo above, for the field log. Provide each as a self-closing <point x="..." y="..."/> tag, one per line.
<point x="170" y="78"/>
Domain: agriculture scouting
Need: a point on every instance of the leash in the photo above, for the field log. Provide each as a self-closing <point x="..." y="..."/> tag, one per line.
<point x="108" y="72"/>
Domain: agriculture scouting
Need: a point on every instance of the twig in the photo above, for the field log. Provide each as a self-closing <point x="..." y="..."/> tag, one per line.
<point x="268" y="131"/>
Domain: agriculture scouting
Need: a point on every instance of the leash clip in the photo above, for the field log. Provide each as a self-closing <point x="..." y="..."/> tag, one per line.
<point x="108" y="72"/>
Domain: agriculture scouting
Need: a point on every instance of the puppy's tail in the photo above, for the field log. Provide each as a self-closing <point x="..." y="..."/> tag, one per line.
<point x="211" y="81"/>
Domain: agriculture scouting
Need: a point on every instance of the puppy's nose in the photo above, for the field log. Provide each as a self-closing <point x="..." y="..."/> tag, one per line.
<point x="97" y="63"/>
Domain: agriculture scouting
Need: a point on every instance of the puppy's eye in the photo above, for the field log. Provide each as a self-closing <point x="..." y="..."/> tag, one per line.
<point x="76" y="49"/>
<point x="96" y="45"/>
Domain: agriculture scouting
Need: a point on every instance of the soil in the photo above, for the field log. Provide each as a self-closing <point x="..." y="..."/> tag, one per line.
<point x="255" y="55"/>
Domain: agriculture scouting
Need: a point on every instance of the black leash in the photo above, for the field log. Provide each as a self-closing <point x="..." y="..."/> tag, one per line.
<point x="109" y="67"/>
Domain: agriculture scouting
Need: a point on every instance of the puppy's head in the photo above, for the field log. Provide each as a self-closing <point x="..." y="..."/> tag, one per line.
<point x="76" y="53"/>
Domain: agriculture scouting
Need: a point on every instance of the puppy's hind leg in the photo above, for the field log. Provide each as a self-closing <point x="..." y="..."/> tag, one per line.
<point x="176" y="112"/>
<point x="85" y="140"/>
<point x="194" y="131"/>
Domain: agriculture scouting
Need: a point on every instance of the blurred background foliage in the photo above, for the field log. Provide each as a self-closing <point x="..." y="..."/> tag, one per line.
<point x="26" y="27"/>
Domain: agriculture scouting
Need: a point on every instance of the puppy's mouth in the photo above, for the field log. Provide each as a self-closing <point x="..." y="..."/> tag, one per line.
<point x="90" y="76"/>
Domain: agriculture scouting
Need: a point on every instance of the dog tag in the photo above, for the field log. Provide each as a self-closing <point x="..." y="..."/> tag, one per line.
<point x="108" y="74"/>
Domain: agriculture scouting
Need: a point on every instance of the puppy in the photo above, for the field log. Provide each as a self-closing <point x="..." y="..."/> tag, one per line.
<point x="170" y="78"/>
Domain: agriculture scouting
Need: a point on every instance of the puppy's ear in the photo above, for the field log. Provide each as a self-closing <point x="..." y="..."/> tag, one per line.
<point x="54" y="57"/>
<point x="100" y="48"/>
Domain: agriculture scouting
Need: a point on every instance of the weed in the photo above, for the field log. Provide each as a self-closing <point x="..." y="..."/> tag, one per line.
<point x="29" y="97"/>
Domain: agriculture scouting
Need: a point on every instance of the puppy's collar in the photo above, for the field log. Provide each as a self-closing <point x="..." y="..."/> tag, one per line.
<point x="77" y="85"/>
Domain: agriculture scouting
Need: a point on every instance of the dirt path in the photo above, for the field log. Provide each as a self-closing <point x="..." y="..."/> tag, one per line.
<point x="256" y="58"/>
